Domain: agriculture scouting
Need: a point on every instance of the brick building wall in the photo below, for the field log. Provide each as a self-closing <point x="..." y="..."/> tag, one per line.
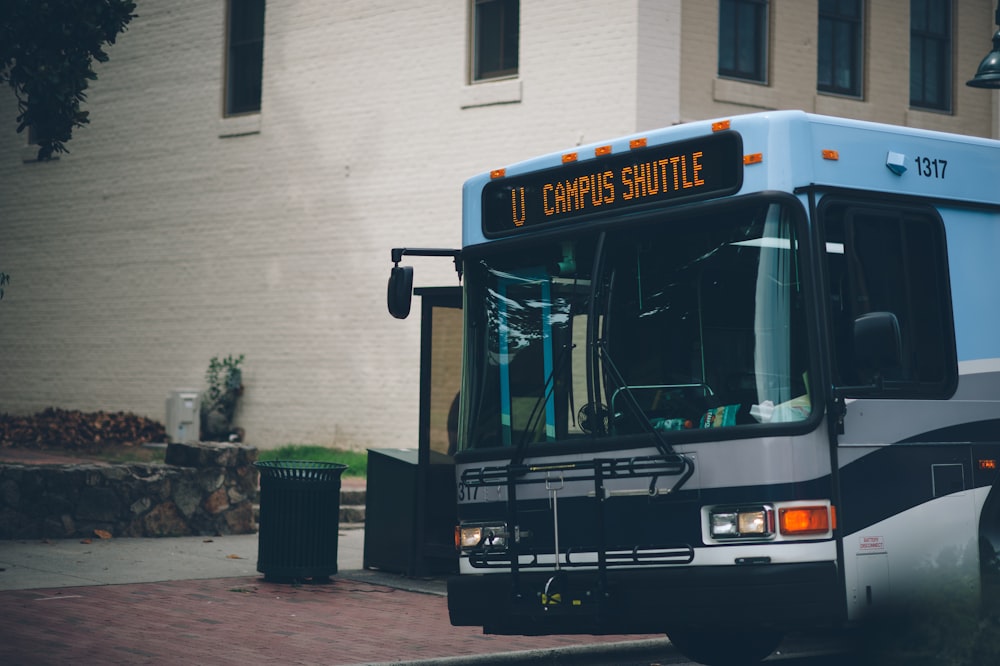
<point x="170" y="235"/>
<point x="792" y="59"/>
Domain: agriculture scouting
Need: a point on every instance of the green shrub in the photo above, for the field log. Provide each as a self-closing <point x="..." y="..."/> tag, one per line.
<point x="356" y="461"/>
<point x="218" y="405"/>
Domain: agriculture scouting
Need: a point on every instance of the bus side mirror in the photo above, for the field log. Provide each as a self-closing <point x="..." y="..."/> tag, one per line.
<point x="877" y="342"/>
<point x="400" y="291"/>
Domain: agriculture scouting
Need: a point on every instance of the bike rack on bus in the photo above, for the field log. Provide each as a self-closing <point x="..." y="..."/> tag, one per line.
<point x="597" y="470"/>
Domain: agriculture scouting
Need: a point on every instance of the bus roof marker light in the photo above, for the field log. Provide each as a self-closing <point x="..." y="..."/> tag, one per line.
<point x="497" y="173"/>
<point x="569" y="157"/>
<point x="832" y="155"/>
<point x="753" y="158"/>
<point x="602" y="150"/>
<point x="637" y="143"/>
<point x="896" y="163"/>
<point x="721" y="125"/>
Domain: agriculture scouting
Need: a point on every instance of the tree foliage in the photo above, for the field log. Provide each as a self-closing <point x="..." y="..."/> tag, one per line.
<point x="47" y="48"/>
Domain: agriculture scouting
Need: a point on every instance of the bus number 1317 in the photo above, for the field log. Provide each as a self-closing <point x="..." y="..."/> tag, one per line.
<point x="931" y="168"/>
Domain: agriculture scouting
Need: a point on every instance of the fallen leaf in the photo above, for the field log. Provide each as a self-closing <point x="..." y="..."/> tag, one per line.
<point x="85" y="541"/>
<point x="102" y="534"/>
<point x="234" y="557"/>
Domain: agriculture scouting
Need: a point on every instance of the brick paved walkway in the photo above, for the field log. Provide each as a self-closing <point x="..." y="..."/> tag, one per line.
<point x="242" y="621"/>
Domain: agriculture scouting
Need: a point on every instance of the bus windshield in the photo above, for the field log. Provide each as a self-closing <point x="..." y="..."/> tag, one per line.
<point x="677" y="325"/>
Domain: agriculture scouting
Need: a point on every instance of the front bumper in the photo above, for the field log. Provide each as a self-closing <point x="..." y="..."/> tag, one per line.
<point x="648" y="600"/>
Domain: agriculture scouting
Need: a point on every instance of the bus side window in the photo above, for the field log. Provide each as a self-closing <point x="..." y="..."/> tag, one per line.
<point x="891" y="259"/>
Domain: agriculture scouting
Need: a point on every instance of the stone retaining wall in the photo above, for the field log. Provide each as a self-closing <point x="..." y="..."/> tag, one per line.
<point x="203" y="489"/>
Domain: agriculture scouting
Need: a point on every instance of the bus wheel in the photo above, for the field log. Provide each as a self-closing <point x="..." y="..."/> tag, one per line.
<point x="724" y="646"/>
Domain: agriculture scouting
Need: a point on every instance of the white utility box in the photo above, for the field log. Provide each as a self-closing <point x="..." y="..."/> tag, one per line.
<point x="183" y="416"/>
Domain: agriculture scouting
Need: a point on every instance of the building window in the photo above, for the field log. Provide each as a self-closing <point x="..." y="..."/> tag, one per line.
<point x="32" y="135"/>
<point x="244" y="56"/>
<point x="29" y="152"/>
<point x="841" y="34"/>
<point x="495" y="31"/>
<point x="743" y="39"/>
<point x="930" y="54"/>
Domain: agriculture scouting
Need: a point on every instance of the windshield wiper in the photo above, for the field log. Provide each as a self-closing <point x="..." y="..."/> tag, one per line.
<point x="538" y="409"/>
<point x="662" y="445"/>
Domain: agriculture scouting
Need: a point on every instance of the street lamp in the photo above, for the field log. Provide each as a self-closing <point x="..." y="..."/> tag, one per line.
<point x="988" y="74"/>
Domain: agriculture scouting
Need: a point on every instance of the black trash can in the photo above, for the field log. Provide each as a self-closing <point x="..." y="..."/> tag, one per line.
<point x="299" y="519"/>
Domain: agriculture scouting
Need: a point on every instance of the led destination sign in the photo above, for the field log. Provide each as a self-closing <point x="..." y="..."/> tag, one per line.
<point x="709" y="166"/>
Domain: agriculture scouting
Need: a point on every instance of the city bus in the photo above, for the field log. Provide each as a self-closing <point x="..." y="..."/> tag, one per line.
<point x="728" y="380"/>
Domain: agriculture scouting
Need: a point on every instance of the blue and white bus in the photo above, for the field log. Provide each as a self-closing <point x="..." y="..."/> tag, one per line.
<point x="728" y="379"/>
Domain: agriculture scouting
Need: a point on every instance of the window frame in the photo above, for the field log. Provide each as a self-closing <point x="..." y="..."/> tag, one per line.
<point x="244" y="58"/>
<point x="945" y="42"/>
<point x="29" y="151"/>
<point x="907" y="214"/>
<point x="855" y="26"/>
<point x="476" y="346"/>
<point x="758" y="73"/>
<point x="503" y="42"/>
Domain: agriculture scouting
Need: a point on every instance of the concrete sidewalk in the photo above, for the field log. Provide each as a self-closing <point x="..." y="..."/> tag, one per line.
<point x="55" y="563"/>
<point x="201" y="600"/>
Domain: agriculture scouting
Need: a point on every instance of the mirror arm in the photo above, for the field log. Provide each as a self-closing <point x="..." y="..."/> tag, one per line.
<point x="399" y="252"/>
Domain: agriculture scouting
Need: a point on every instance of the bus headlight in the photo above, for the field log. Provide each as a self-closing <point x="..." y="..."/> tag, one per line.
<point x="483" y="536"/>
<point x="742" y="522"/>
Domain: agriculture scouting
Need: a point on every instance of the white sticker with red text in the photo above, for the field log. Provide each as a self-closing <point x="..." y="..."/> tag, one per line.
<point x="871" y="544"/>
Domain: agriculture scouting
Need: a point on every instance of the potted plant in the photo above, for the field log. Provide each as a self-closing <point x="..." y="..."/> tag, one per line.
<point x="218" y="407"/>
